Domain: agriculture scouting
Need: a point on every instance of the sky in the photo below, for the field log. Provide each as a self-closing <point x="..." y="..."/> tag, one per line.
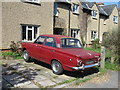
<point x="106" y="2"/>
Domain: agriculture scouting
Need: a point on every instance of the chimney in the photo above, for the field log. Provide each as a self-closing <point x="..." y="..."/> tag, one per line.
<point x="100" y="3"/>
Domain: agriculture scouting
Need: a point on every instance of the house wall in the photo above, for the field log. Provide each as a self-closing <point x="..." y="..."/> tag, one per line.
<point x="92" y="25"/>
<point x="16" y="13"/>
<point x="0" y="25"/>
<point x="106" y="24"/>
<point x="63" y="12"/>
<point x="111" y="25"/>
<point x="103" y="26"/>
<point x="74" y="23"/>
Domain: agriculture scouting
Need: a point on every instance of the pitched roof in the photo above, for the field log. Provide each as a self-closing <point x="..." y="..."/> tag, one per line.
<point x="87" y="5"/>
<point x="101" y="11"/>
<point x="84" y="5"/>
<point x="104" y="10"/>
<point x="109" y="8"/>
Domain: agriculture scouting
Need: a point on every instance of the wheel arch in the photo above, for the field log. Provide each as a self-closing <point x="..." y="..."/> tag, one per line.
<point x="24" y="49"/>
<point x="56" y="60"/>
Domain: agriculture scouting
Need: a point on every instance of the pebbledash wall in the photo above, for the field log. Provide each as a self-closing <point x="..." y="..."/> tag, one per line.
<point x="16" y="14"/>
<point x="0" y="25"/>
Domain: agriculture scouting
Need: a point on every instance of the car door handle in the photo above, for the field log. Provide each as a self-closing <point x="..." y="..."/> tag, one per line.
<point x="52" y="50"/>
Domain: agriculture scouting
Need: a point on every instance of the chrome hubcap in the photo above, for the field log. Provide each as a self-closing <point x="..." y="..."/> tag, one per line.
<point x="55" y="66"/>
<point x="25" y="56"/>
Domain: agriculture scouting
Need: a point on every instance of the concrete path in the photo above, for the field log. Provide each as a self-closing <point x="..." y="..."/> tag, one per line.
<point x="19" y="74"/>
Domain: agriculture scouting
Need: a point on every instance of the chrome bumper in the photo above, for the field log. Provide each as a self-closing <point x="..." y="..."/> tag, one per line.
<point x="87" y="66"/>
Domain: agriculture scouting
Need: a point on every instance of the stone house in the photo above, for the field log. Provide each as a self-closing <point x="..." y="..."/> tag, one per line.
<point x="100" y="20"/>
<point x="27" y="19"/>
<point x="24" y="21"/>
<point x="66" y="20"/>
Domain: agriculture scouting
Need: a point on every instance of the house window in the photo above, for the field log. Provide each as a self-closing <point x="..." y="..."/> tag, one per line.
<point x="75" y="33"/>
<point x="29" y="33"/>
<point x="104" y="22"/>
<point x="93" y="35"/>
<point x="115" y="19"/>
<point x="32" y="1"/>
<point x="55" y="9"/>
<point x="76" y="8"/>
<point x="94" y="14"/>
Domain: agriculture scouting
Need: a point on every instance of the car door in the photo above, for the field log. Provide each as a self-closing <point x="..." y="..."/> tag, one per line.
<point x="37" y="47"/>
<point x="48" y="49"/>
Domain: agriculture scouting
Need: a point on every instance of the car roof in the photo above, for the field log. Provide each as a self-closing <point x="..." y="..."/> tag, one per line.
<point x="55" y="36"/>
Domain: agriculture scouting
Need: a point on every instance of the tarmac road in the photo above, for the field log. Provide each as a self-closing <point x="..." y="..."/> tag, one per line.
<point x="110" y="81"/>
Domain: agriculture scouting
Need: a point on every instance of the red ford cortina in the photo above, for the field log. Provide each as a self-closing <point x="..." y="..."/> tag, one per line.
<point x="61" y="52"/>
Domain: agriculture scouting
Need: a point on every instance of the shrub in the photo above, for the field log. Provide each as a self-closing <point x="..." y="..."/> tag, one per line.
<point x="16" y="47"/>
<point x="95" y="43"/>
<point x="112" y="43"/>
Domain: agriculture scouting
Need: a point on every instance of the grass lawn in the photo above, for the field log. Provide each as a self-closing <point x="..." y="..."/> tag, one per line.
<point x="95" y="50"/>
<point x="14" y="55"/>
<point x="108" y="64"/>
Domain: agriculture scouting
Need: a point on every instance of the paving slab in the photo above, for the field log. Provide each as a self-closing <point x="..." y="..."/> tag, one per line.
<point x="47" y="83"/>
<point x="67" y="77"/>
<point x="16" y="80"/>
<point x="39" y="78"/>
<point x="5" y="84"/>
<point x="30" y="85"/>
<point x="58" y="80"/>
<point x="49" y="74"/>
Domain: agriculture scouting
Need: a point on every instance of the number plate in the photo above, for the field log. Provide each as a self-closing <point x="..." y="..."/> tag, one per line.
<point x="89" y="62"/>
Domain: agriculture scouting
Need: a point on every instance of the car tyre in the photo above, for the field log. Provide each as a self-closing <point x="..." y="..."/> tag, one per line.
<point x="26" y="56"/>
<point x="57" y="67"/>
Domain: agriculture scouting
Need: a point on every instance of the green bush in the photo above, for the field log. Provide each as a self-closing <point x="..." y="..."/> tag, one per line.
<point x="15" y="55"/>
<point x="112" y="66"/>
<point x="112" y="43"/>
<point x="95" y="43"/>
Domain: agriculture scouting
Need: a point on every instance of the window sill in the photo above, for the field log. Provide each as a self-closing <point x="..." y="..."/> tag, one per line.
<point x="77" y="13"/>
<point x="27" y="41"/>
<point x="115" y="22"/>
<point x="30" y="2"/>
<point x="94" y="17"/>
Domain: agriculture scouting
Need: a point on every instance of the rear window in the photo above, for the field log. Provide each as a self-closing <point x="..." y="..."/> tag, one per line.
<point x="70" y="43"/>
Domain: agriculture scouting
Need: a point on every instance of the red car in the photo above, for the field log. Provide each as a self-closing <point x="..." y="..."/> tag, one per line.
<point x="61" y="52"/>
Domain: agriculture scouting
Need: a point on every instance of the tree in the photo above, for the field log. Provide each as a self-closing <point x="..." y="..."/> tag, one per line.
<point x="112" y="43"/>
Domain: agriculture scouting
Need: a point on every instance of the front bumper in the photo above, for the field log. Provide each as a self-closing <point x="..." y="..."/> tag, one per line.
<point x="87" y="66"/>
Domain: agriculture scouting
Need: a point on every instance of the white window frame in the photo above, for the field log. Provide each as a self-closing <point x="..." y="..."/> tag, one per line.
<point x="76" y="32"/>
<point x="68" y="1"/>
<point x="27" y="29"/>
<point x="75" y="9"/>
<point x="94" y="33"/>
<point x="32" y="1"/>
<point x="94" y="14"/>
<point x="115" y="19"/>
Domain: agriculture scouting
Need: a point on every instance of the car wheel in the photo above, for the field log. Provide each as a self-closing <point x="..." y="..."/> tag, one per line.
<point x="57" y="67"/>
<point x="26" y="56"/>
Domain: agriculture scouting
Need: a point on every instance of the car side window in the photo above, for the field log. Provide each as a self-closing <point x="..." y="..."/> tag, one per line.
<point x="40" y="40"/>
<point x="50" y="42"/>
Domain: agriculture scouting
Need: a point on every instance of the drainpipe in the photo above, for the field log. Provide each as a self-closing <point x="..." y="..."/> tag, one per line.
<point x="69" y="21"/>
<point x="99" y="28"/>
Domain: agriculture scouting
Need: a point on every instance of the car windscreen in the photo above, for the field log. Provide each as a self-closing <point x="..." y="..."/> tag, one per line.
<point x="70" y="43"/>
